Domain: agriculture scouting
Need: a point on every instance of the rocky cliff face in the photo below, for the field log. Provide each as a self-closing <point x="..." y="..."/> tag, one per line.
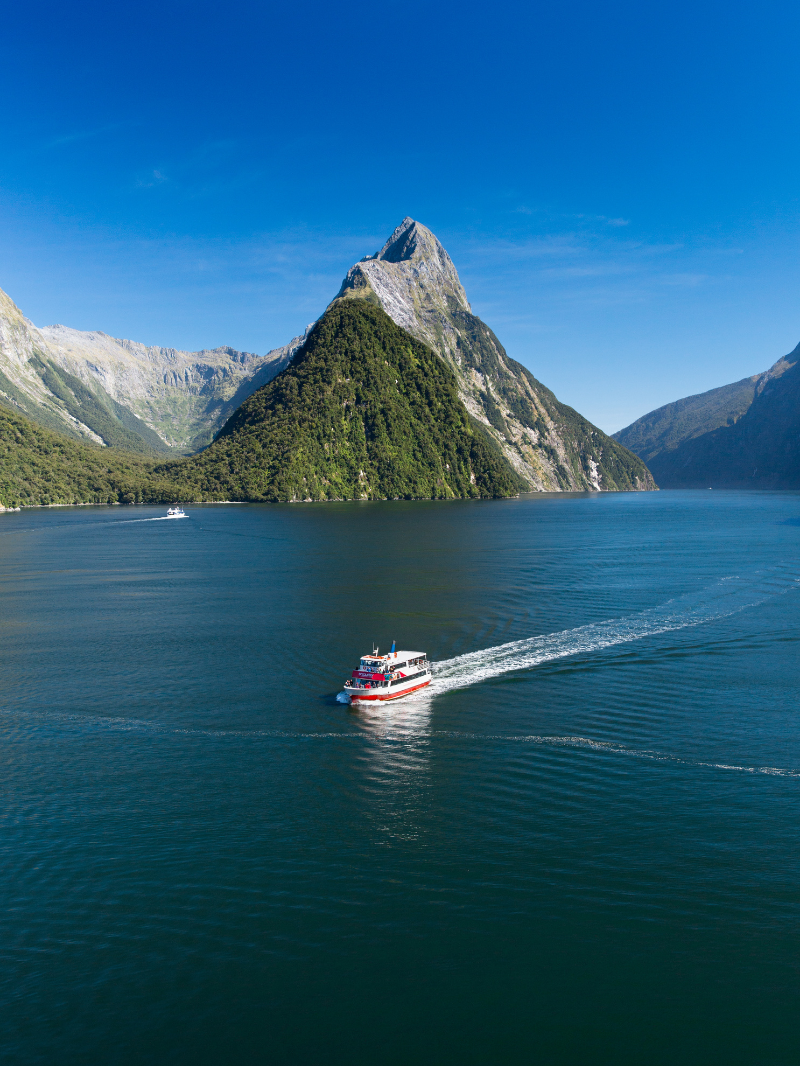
<point x="148" y="399"/>
<point x="122" y="393"/>
<point x="550" y="446"/>
<point x="21" y="385"/>
<point x="745" y="435"/>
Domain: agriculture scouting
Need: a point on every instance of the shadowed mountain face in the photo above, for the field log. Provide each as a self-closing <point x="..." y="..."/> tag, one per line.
<point x="550" y="445"/>
<point x="664" y="430"/>
<point x="123" y="394"/>
<point x="738" y="436"/>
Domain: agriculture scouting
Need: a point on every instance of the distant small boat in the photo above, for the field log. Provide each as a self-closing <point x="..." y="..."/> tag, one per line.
<point x="176" y="512"/>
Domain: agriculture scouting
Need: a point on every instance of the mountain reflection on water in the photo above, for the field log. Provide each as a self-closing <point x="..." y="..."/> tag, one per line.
<point x="578" y="845"/>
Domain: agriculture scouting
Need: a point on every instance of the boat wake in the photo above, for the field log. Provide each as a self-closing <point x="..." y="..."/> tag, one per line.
<point x="409" y="728"/>
<point x="161" y="518"/>
<point x="727" y="597"/>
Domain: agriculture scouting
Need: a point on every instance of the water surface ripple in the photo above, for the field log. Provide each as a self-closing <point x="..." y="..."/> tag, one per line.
<point x="579" y="845"/>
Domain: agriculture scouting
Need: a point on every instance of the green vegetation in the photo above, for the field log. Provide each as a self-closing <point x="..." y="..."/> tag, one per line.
<point x="364" y="412"/>
<point x="14" y="399"/>
<point x="622" y="470"/>
<point x="38" y="466"/>
<point x="744" y="435"/>
<point x="666" y="428"/>
<point x="759" y="450"/>
<point x="570" y="443"/>
<point x="117" y="426"/>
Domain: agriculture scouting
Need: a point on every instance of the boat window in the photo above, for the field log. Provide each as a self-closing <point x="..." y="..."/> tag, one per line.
<point x="408" y="677"/>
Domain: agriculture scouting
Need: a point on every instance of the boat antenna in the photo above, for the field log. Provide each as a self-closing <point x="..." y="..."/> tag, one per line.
<point x="375" y="649"/>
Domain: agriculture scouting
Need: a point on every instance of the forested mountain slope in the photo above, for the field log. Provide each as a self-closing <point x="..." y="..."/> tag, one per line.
<point x="398" y="391"/>
<point x="365" y="411"/>
<point x="40" y="467"/>
<point x="741" y="435"/>
<point x="669" y="426"/>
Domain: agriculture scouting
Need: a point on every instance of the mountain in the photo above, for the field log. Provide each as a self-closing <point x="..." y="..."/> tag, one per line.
<point x="364" y="411"/>
<point x="398" y="391"/>
<point x="742" y="435"/>
<point x="123" y="394"/>
<point x="665" y="429"/>
<point x="549" y="445"/>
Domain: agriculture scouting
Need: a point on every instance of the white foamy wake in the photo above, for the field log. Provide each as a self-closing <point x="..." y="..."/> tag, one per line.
<point x="85" y="525"/>
<point x="611" y="748"/>
<point x="133" y="521"/>
<point x="728" y="596"/>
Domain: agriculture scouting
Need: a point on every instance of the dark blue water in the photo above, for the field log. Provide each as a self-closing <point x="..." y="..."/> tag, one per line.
<point x="583" y="846"/>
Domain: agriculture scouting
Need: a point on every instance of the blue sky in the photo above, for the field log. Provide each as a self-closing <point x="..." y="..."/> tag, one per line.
<point x="617" y="183"/>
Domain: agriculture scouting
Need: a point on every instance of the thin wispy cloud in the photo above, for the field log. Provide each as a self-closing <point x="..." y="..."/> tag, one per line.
<point x="205" y="172"/>
<point x="690" y="280"/>
<point x="85" y="135"/>
<point x="590" y="267"/>
<point x="603" y="219"/>
<point x="595" y="270"/>
<point x="531" y="248"/>
<point x="153" y="179"/>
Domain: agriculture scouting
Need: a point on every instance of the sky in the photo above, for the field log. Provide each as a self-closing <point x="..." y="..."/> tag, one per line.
<point x="617" y="183"/>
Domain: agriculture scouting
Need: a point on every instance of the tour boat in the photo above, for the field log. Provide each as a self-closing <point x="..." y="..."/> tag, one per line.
<point x="176" y="512"/>
<point x="380" y="678"/>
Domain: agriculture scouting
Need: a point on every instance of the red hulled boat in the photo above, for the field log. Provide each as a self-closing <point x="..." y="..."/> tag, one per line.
<point x="380" y="678"/>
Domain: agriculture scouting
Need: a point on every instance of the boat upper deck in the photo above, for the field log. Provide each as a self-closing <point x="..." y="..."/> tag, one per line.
<point x="392" y="660"/>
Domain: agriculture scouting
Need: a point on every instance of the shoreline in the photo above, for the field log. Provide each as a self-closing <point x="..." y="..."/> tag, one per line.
<point x="116" y="503"/>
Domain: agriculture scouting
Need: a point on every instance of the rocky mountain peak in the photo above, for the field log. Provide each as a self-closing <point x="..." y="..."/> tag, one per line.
<point x="404" y="241"/>
<point x="413" y="279"/>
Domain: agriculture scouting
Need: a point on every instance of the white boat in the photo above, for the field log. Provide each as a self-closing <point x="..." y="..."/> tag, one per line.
<point x="380" y="678"/>
<point x="176" y="512"/>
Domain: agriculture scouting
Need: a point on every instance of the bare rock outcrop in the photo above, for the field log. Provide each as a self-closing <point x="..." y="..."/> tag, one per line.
<point x="96" y="387"/>
<point x="550" y="446"/>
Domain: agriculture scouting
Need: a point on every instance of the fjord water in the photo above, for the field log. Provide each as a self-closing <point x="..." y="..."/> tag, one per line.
<point x="581" y="846"/>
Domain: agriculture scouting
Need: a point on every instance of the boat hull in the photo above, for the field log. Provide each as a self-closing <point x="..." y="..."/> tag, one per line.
<point x="385" y="695"/>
